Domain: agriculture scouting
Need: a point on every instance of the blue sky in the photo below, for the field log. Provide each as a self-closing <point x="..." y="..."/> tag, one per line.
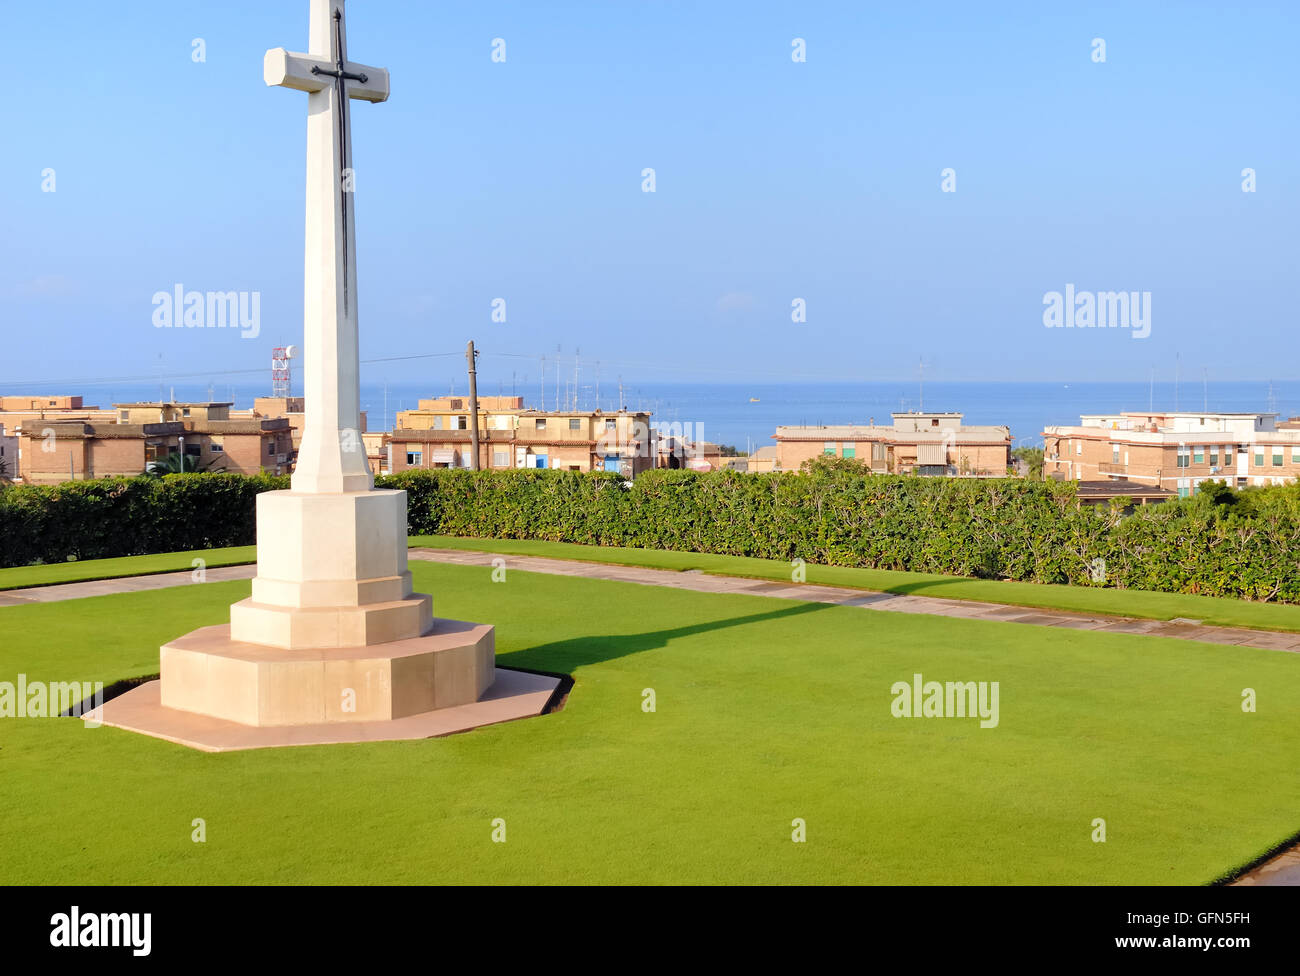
<point x="775" y="180"/>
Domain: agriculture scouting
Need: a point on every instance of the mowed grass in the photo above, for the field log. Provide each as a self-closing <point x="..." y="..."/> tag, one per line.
<point x="767" y="710"/>
<point x="1215" y="611"/>
<point x="83" y="570"/>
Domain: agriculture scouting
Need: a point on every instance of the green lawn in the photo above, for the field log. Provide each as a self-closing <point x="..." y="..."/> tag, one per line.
<point x="82" y="570"/>
<point x="768" y="710"/>
<point x="1084" y="599"/>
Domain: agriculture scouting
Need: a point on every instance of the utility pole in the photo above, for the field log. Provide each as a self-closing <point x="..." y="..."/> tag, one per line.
<point x="470" y="357"/>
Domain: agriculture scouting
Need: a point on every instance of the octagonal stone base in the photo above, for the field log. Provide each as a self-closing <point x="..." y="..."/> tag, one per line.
<point x="513" y="695"/>
<point x="208" y="673"/>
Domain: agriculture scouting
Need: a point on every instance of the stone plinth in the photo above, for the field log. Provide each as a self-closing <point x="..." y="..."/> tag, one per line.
<point x="331" y="572"/>
<point x="209" y="673"/>
<point x="514" y="695"/>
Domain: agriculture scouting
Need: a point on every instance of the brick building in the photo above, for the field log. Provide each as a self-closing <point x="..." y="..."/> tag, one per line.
<point x="936" y="444"/>
<point x="1175" y="450"/>
<point x="78" y="451"/>
<point x="140" y="434"/>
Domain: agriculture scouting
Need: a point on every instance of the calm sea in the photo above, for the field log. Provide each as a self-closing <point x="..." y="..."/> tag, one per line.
<point x="741" y="415"/>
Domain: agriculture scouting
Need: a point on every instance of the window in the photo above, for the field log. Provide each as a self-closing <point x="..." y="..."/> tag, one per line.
<point x="1184" y="487"/>
<point x="500" y="459"/>
<point x="1114" y="454"/>
<point x="457" y="405"/>
<point x="185" y="411"/>
<point x="194" y="450"/>
<point x="1078" y="447"/>
<point x="123" y="416"/>
<point x="414" y="457"/>
<point x="462" y="423"/>
<point x="1214" y="454"/>
<point x="1277" y="455"/>
<point x="1227" y="453"/>
<point x="1295" y="453"/>
<point x="437" y="423"/>
<point x="828" y="448"/>
<point x="1184" y="457"/>
<point x="1198" y="455"/>
<point x="215" y="447"/>
<point x="270" y="447"/>
<point x="850" y="450"/>
<point x="575" y="424"/>
<point x="51" y="403"/>
<point x="1259" y="457"/>
<point x="610" y="424"/>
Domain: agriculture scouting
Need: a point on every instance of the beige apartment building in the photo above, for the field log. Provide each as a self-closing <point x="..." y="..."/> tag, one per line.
<point x="55" y="450"/>
<point x="1175" y="450"/>
<point x="936" y="444"/>
<point x="438" y="435"/>
<point x="17" y="412"/>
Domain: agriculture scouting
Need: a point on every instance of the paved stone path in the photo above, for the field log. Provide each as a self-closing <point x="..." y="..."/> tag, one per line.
<point x="121" y="584"/>
<point x="702" y="583"/>
<point x="966" y="609"/>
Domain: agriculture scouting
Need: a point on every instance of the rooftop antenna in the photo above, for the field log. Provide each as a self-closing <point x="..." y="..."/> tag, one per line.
<point x="576" y="351"/>
<point x="1178" y="375"/>
<point x="543" y="403"/>
<point x="1272" y="399"/>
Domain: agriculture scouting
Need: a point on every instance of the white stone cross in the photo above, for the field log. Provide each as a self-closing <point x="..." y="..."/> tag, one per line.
<point x="331" y="458"/>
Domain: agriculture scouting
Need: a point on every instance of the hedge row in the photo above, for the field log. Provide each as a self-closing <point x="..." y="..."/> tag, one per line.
<point x="1219" y="543"/>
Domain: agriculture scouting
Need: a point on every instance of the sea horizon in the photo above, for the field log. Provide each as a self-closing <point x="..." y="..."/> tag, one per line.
<point x="746" y="415"/>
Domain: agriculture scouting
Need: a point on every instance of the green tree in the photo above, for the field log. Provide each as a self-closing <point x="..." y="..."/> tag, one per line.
<point x="1032" y="456"/>
<point x="174" y="463"/>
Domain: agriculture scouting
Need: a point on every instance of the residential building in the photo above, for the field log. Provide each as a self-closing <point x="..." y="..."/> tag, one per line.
<point x="438" y="435"/>
<point x="9" y="469"/>
<point x="142" y="433"/>
<point x="763" y="461"/>
<point x="1175" y="450"/>
<point x="1104" y="492"/>
<point x="938" y="444"/>
<point x="76" y="451"/>
<point x="17" y="412"/>
<point x="29" y="402"/>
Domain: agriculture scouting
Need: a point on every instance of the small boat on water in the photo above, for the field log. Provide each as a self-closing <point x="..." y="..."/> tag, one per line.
<point x="753" y="400"/>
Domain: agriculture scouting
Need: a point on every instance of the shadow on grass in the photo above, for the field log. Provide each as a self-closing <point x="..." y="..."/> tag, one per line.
<point x="566" y="655"/>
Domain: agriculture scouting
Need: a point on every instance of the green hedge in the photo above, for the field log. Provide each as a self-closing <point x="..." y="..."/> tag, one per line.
<point x="1219" y="543"/>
